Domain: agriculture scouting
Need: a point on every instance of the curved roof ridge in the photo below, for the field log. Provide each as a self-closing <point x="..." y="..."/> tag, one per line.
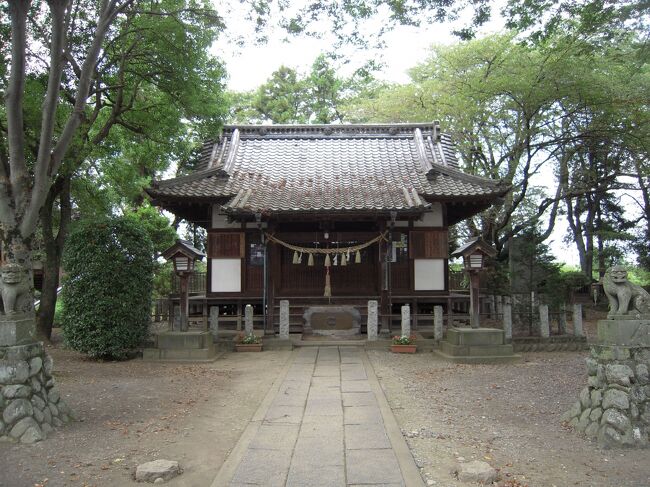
<point x="328" y="130"/>
<point x="457" y="173"/>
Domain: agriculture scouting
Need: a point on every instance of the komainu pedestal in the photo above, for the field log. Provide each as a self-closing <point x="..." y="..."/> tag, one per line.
<point x="30" y="405"/>
<point x="614" y="406"/>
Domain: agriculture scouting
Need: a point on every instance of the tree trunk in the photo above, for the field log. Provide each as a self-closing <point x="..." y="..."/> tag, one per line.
<point x="53" y="253"/>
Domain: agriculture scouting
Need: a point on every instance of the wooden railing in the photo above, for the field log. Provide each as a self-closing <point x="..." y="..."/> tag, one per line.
<point x="196" y="284"/>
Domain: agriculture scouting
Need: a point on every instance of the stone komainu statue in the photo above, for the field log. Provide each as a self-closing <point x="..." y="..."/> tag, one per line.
<point x="15" y="289"/>
<point x="624" y="297"/>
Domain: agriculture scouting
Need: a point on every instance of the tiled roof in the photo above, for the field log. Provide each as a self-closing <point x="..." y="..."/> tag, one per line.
<point x="328" y="168"/>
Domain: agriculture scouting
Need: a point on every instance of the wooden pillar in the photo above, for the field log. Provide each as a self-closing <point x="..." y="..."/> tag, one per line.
<point x="184" y="295"/>
<point x="206" y="325"/>
<point x="273" y="270"/>
<point x="475" y="305"/>
<point x="384" y="276"/>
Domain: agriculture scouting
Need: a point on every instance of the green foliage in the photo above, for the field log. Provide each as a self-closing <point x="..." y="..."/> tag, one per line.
<point x="250" y="339"/>
<point x="403" y="340"/>
<point x="321" y="96"/>
<point x="108" y="286"/>
<point x="162" y="280"/>
<point x="157" y="226"/>
<point x="58" y="313"/>
<point x="638" y="275"/>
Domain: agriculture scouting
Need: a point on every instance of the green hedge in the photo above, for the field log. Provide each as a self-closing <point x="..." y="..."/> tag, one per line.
<point x="107" y="288"/>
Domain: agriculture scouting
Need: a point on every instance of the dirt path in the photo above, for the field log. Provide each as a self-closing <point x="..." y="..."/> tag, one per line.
<point x="132" y="412"/>
<point x="507" y="415"/>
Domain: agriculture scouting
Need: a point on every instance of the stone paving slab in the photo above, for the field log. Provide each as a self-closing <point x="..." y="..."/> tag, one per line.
<point x="319" y="382"/>
<point x="362" y="415"/>
<point x="275" y="437"/>
<point x="263" y="467"/>
<point x="327" y="371"/>
<point x="355" y="386"/>
<point x="323" y="476"/>
<point x="366" y="436"/>
<point x="372" y="467"/>
<point x="314" y="451"/>
<point x="284" y="414"/>
<point x="325" y="423"/>
<point x="359" y="399"/>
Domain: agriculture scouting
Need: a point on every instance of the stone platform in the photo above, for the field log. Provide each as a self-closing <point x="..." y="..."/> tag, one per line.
<point x="30" y="405"/>
<point x="614" y="406"/>
<point x="181" y="346"/>
<point x="476" y="346"/>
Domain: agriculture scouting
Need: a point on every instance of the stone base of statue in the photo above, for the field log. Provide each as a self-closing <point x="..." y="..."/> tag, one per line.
<point x="614" y="406"/>
<point x="17" y="329"/>
<point x="476" y="346"/>
<point x="30" y="405"/>
<point x="181" y="346"/>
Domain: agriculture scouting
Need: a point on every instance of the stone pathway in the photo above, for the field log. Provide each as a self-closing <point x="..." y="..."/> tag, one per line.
<point x="326" y="423"/>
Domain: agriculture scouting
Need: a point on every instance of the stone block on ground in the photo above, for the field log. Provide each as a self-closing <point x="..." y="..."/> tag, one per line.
<point x="157" y="469"/>
<point x="477" y="471"/>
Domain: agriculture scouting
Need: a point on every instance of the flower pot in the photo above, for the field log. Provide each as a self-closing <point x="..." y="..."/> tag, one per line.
<point x="248" y="347"/>
<point x="403" y="348"/>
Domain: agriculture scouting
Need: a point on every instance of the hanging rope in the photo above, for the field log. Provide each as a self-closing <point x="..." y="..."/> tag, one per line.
<point x="311" y="250"/>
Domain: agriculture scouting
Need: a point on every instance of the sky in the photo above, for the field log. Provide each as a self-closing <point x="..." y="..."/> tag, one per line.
<point x="250" y="65"/>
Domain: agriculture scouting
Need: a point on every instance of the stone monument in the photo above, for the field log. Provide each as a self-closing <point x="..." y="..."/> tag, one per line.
<point x="614" y="406"/>
<point x="30" y="405"/>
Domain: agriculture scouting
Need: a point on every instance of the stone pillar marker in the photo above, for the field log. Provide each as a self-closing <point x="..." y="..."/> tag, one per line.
<point x="507" y="319"/>
<point x="406" y="320"/>
<point x="437" y="323"/>
<point x="248" y="319"/>
<point x="214" y="321"/>
<point x="373" y="320"/>
<point x="176" y="320"/>
<point x="562" y="320"/>
<point x="499" y="305"/>
<point x="577" y="320"/>
<point x="284" y="319"/>
<point x="544" y="325"/>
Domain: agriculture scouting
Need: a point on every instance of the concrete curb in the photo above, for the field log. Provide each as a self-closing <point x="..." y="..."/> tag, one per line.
<point x="410" y="471"/>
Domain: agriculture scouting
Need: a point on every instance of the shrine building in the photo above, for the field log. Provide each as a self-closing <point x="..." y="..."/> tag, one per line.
<point x="327" y="217"/>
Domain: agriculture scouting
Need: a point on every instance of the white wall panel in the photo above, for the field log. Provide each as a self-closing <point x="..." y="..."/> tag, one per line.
<point x="431" y="218"/>
<point x="226" y="276"/>
<point x="429" y="274"/>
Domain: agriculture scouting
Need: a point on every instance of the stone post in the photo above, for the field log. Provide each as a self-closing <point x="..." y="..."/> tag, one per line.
<point x="562" y="320"/>
<point x="507" y="319"/>
<point x="406" y="320"/>
<point x="248" y="319"/>
<point x="437" y="323"/>
<point x="214" y="321"/>
<point x="544" y="325"/>
<point x="577" y="320"/>
<point x="372" y="320"/>
<point x="176" y="321"/>
<point x="492" y="306"/>
<point x="284" y="319"/>
<point x="499" y="306"/>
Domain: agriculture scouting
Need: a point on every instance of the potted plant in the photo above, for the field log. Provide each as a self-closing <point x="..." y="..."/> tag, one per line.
<point x="248" y="343"/>
<point x="403" y="344"/>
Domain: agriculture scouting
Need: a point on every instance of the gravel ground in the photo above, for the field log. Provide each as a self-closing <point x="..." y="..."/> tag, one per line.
<point x="506" y="415"/>
<point x="132" y="412"/>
